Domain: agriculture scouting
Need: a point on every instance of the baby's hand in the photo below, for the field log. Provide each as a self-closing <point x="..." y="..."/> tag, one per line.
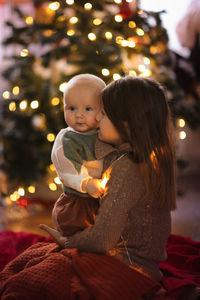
<point x="94" y="188"/>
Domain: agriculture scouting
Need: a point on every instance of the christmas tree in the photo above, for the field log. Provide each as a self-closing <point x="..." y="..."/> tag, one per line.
<point x="107" y="38"/>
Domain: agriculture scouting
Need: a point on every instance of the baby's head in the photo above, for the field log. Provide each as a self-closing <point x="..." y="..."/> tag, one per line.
<point x="82" y="102"/>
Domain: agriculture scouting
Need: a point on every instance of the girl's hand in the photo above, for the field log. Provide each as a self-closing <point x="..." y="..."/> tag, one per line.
<point x="94" y="188"/>
<point x="56" y="235"/>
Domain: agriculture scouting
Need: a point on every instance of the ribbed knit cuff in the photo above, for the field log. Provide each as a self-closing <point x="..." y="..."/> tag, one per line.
<point x="66" y="244"/>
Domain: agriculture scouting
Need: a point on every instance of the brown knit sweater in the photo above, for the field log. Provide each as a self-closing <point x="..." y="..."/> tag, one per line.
<point x="128" y="226"/>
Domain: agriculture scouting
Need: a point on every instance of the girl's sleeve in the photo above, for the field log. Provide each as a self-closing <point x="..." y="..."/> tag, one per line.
<point x="65" y="169"/>
<point x="113" y="212"/>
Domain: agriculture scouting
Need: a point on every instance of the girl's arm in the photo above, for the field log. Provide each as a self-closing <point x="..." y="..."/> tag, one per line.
<point x="109" y="224"/>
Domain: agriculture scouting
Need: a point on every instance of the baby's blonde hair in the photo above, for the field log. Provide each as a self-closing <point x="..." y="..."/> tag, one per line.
<point x="93" y="82"/>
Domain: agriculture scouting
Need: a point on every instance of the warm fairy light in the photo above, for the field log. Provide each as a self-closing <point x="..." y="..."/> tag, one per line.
<point x="50" y="137"/>
<point x="131" y="44"/>
<point x="34" y="104"/>
<point x="15" y="196"/>
<point x="24" y="53"/>
<point x="108" y="35"/>
<point x="29" y="20"/>
<point x="132" y="73"/>
<point x="146" y="73"/>
<point x="15" y="90"/>
<point x="181" y="122"/>
<point x="97" y="21"/>
<point x="6" y="94"/>
<point x="129" y="1"/>
<point x="73" y="20"/>
<point x="62" y="86"/>
<point x="55" y="101"/>
<point x="182" y="135"/>
<point x="140" y="12"/>
<point x="31" y="189"/>
<point x="70" y="32"/>
<point x="70" y="2"/>
<point x="141" y="68"/>
<point x="52" y="167"/>
<point x="146" y="60"/>
<point x="118" y="18"/>
<point x="118" y="1"/>
<point x="140" y="32"/>
<point x="48" y="32"/>
<point x="116" y="76"/>
<point x="23" y="105"/>
<point x="153" y="49"/>
<point x="105" y="72"/>
<point x="124" y="43"/>
<point x="54" y="5"/>
<point x="52" y="186"/>
<point x="88" y="6"/>
<point x="21" y="191"/>
<point x="12" y="106"/>
<point x="119" y="39"/>
<point x="105" y="178"/>
<point x="57" y="180"/>
<point x="92" y="36"/>
<point x="131" y="24"/>
<point x="61" y="18"/>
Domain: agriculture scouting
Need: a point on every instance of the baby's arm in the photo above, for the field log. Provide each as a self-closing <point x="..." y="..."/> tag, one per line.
<point x="67" y="172"/>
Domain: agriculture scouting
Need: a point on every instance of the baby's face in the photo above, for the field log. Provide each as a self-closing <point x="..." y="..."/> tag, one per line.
<point x="81" y="107"/>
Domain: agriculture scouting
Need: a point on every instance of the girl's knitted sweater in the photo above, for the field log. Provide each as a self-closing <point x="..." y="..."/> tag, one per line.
<point x="129" y="226"/>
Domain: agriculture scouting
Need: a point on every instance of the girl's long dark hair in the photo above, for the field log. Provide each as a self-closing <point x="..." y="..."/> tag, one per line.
<point x="138" y="109"/>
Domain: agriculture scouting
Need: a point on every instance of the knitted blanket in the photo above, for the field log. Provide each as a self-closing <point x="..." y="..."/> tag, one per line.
<point x="45" y="271"/>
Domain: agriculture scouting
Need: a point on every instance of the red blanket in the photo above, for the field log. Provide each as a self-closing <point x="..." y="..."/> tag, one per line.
<point x="181" y="270"/>
<point x="45" y="271"/>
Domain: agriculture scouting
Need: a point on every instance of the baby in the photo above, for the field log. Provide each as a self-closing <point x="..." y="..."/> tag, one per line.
<point x="73" y="155"/>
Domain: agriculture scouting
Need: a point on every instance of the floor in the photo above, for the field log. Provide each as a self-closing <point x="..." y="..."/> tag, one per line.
<point x="185" y="219"/>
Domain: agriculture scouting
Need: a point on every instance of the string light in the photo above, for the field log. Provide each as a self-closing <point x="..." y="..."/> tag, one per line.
<point x="182" y="135"/>
<point x="54" y="5"/>
<point x="131" y="24"/>
<point x="118" y="1"/>
<point x="23" y="105"/>
<point x="132" y="73"/>
<point x="73" y="20"/>
<point x="70" y="32"/>
<point x="34" y="104"/>
<point x="24" y="53"/>
<point x="31" y="189"/>
<point x="118" y="18"/>
<point x="62" y="86"/>
<point x="55" y="101"/>
<point x="140" y="32"/>
<point x="61" y="19"/>
<point x="124" y="43"/>
<point x="15" y="90"/>
<point x="70" y="2"/>
<point x="52" y="167"/>
<point x="6" y="94"/>
<point x="108" y="35"/>
<point x="12" y="106"/>
<point x="97" y="21"/>
<point x="116" y="76"/>
<point x="105" y="72"/>
<point x="181" y="123"/>
<point x="52" y="186"/>
<point x="29" y="20"/>
<point x="129" y="1"/>
<point x="147" y="61"/>
<point x="131" y="44"/>
<point x="146" y="73"/>
<point x="119" y="39"/>
<point x="50" y="137"/>
<point x="141" y="68"/>
<point x="92" y="36"/>
<point x="88" y="6"/>
<point x="57" y="180"/>
<point x="21" y="191"/>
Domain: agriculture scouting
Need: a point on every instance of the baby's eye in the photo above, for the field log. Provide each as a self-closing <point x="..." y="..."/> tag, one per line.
<point x="72" y="108"/>
<point x="88" y="108"/>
